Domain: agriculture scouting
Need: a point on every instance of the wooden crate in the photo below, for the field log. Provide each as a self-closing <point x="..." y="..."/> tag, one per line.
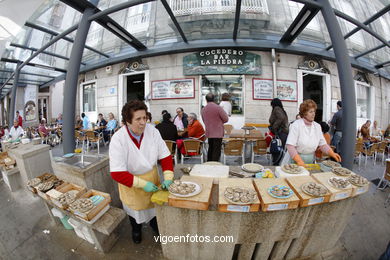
<point x="336" y="194"/>
<point x="44" y="194"/>
<point x="225" y="206"/>
<point x="356" y="190"/>
<point x="63" y="189"/>
<point x="95" y="210"/>
<point x="269" y="203"/>
<point x="200" y="201"/>
<point x="305" y="200"/>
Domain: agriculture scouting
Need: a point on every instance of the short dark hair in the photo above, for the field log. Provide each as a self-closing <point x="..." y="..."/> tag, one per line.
<point x="164" y="112"/>
<point x="324" y="127"/>
<point x="17" y="111"/>
<point x="167" y="117"/>
<point x="339" y="103"/>
<point x="182" y="110"/>
<point x="276" y="102"/>
<point x="149" y="115"/>
<point x="82" y="115"/>
<point x="210" y="97"/>
<point x="100" y="114"/>
<point x="225" y="97"/>
<point x="130" y="107"/>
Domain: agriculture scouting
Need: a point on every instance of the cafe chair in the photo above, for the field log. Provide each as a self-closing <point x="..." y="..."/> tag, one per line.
<point x="172" y="149"/>
<point x="79" y="137"/>
<point x="59" y="134"/>
<point x="94" y="137"/>
<point x="359" y="146"/>
<point x="370" y="151"/>
<point x="381" y="149"/>
<point x="233" y="148"/>
<point x="228" y="129"/>
<point x="386" y="177"/>
<point x="44" y="139"/>
<point x="259" y="149"/>
<point x="193" y="149"/>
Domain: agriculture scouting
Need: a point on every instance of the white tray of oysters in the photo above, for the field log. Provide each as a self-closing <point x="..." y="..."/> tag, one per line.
<point x="184" y="189"/>
<point x="241" y="196"/>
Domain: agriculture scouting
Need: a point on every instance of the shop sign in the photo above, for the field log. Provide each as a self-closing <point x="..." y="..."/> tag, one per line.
<point x="222" y="61"/>
<point x="263" y="89"/>
<point x="173" y="88"/>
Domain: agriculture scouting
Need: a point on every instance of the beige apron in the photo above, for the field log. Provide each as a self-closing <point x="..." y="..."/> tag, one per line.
<point x="137" y="198"/>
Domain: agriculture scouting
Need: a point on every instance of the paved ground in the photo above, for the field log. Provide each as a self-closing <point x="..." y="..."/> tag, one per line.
<point x="23" y="219"/>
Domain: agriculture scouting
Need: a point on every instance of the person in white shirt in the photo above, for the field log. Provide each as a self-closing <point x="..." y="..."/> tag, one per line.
<point x="226" y="104"/>
<point x="16" y="131"/>
<point x="305" y="136"/>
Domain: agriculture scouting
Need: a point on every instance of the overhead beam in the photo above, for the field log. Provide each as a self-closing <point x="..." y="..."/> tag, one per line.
<point x="369" y="51"/>
<point x="43" y="52"/>
<point x="362" y="26"/>
<point x="66" y="38"/>
<point x="366" y="22"/>
<point x="300" y="22"/>
<point x="107" y="22"/>
<point x="309" y="3"/>
<point x="33" y="64"/>
<point x="29" y="73"/>
<point x="383" y="64"/>
<point x="237" y="19"/>
<point x="174" y="20"/>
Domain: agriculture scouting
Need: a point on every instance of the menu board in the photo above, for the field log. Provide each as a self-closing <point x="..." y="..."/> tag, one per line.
<point x="173" y="88"/>
<point x="263" y="89"/>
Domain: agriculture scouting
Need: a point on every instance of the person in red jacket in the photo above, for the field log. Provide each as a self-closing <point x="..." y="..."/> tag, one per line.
<point x="214" y="117"/>
<point x="20" y="119"/>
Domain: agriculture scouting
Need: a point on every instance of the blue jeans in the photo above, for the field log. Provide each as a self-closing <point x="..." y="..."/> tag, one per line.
<point x="336" y="140"/>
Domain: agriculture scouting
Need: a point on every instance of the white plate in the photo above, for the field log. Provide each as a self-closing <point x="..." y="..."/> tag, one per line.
<point x="349" y="185"/>
<point x="259" y="167"/>
<point x="198" y="189"/>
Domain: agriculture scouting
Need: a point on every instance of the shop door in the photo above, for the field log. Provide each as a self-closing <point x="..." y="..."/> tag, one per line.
<point x="42" y="108"/>
<point x="136" y="87"/>
<point x="313" y="89"/>
<point x="220" y="84"/>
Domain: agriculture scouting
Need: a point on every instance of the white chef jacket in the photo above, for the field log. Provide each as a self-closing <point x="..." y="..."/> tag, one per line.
<point x="16" y="133"/>
<point x="125" y="156"/>
<point x="306" y="139"/>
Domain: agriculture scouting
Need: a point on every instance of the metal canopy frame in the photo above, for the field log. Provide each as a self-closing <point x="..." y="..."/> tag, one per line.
<point x="92" y="13"/>
<point x="41" y="66"/>
<point x="305" y="15"/>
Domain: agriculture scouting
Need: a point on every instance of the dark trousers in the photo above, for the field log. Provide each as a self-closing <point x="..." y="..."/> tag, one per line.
<point x="277" y="157"/>
<point x="214" y="152"/>
<point x="137" y="228"/>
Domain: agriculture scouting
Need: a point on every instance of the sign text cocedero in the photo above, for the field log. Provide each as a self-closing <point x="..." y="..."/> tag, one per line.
<point x="221" y="57"/>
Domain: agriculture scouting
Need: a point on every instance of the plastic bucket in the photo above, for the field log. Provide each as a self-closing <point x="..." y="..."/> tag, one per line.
<point x="65" y="222"/>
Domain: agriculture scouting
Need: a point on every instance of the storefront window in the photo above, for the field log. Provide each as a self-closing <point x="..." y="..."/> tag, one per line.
<point x="362" y="97"/>
<point x="89" y="97"/>
<point x="219" y="84"/>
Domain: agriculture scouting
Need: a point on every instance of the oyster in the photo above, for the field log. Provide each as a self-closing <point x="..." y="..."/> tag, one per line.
<point x="339" y="183"/>
<point x="45" y="186"/>
<point x="240" y="195"/>
<point x="280" y="191"/>
<point x="34" y="182"/>
<point x="314" y="189"/>
<point x="292" y="168"/>
<point x="341" y="171"/>
<point x="181" y="188"/>
<point x="358" y="180"/>
<point x="331" y="164"/>
<point x="81" y="205"/>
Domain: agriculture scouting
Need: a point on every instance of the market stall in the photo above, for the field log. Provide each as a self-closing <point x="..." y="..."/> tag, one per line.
<point x="295" y="217"/>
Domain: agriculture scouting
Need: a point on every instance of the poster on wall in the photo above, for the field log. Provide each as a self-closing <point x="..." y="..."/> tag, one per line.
<point x="173" y="88"/>
<point x="30" y="96"/>
<point x="263" y="89"/>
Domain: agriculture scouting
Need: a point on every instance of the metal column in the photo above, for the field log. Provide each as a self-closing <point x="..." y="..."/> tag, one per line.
<point x="13" y="97"/>
<point x="346" y="84"/>
<point x="71" y="80"/>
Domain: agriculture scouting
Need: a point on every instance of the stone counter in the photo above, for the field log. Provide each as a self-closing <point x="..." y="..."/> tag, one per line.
<point x="32" y="160"/>
<point x="286" y="234"/>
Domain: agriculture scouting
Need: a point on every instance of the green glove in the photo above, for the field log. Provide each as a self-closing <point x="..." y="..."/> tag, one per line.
<point x="150" y="187"/>
<point x="166" y="184"/>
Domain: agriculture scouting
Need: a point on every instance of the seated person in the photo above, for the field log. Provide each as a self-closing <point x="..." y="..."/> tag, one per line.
<point x="79" y="123"/>
<point x="167" y="129"/>
<point x="325" y="129"/>
<point x="42" y="128"/>
<point x="59" y="120"/>
<point x="195" y="131"/>
<point x="387" y="132"/>
<point x="16" y="131"/>
<point x="101" y="122"/>
<point x="112" y="124"/>
<point x="181" y="122"/>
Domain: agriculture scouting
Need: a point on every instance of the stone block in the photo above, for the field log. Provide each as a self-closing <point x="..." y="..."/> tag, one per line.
<point x="12" y="178"/>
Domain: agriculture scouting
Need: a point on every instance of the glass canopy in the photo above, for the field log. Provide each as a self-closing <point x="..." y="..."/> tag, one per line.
<point x="203" y="21"/>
